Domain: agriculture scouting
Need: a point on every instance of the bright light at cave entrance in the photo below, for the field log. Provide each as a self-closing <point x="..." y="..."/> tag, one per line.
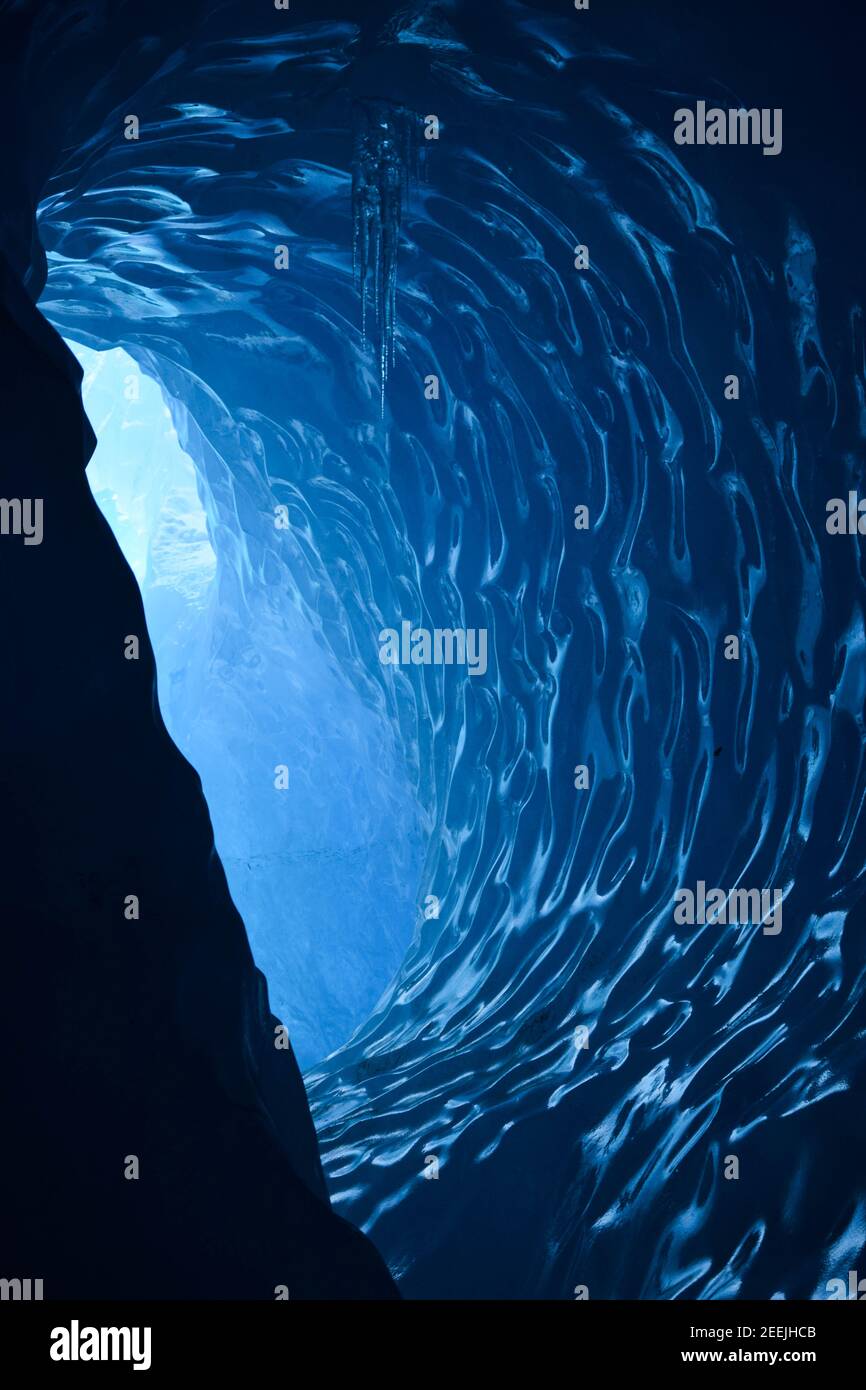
<point x="143" y="481"/>
<point x="325" y="869"/>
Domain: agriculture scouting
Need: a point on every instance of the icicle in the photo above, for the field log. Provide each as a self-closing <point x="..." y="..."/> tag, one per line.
<point x="380" y="182"/>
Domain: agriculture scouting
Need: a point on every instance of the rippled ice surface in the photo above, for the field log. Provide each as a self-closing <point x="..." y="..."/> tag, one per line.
<point x="559" y="1165"/>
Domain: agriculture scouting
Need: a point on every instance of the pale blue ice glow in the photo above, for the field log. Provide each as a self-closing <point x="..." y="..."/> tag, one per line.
<point x="325" y="872"/>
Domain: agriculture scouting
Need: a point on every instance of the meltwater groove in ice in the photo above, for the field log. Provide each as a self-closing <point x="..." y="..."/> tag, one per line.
<point x="528" y="908"/>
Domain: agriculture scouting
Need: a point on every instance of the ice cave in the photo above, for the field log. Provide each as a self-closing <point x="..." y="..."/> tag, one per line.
<point x="304" y="354"/>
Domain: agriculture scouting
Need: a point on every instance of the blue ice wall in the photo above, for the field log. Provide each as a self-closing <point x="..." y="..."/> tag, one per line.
<point x="560" y="386"/>
<point x="314" y="820"/>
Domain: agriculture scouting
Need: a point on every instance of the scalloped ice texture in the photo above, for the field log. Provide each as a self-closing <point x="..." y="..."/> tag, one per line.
<point x="558" y="1166"/>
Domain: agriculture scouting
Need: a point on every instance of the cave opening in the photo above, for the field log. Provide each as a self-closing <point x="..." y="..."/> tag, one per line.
<point x="314" y="816"/>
